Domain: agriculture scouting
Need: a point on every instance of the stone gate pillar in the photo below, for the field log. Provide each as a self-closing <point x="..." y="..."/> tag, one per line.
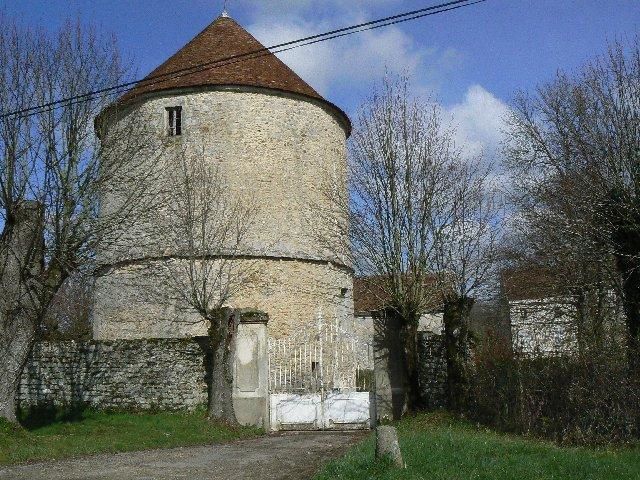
<point x="251" y="370"/>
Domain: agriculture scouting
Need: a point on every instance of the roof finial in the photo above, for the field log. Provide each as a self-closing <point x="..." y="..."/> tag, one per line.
<point x="225" y="14"/>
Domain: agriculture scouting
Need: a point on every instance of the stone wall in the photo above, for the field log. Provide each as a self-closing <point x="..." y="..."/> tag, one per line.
<point x="136" y="301"/>
<point x="365" y="329"/>
<point x="277" y="152"/>
<point x="125" y="374"/>
<point x="283" y="156"/>
<point x="433" y="370"/>
<point x="389" y="372"/>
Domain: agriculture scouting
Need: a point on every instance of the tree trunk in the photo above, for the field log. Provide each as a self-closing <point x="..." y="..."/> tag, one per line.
<point x="222" y="331"/>
<point x="20" y="265"/>
<point x="456" y="330"/>
<point x="401" y="343"/>
<point x="631" y="303"/>
<point x="628" y="265"/>
<point x="17" y="341"/>
<point x="412" y="380"/>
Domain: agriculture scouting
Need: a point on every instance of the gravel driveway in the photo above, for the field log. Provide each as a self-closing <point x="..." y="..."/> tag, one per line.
<point x="294" y="456"/>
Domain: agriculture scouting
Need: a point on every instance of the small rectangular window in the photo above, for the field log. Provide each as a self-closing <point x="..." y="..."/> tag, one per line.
<point x="174" y="123"/>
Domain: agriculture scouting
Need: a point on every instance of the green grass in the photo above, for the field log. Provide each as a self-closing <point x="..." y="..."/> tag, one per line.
<point x="435" y="446"/>
<point x="92" y="432"/>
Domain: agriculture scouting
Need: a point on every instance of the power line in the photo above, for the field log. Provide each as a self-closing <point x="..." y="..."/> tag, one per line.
<point x="282" y="47"/>
<point x="279" y="48"/>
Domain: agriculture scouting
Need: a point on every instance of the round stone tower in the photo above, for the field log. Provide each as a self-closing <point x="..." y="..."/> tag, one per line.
<point x="275" y="141"/>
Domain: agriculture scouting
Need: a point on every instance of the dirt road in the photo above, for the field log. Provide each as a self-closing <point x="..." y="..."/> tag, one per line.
<point x="292" y="456"/>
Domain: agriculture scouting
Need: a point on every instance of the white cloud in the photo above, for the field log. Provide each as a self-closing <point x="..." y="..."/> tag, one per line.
<point x="344" y="70"/>
<point x="479" y="121"/>
<point x="308" y="62"/>
<point x="349" y="66"/>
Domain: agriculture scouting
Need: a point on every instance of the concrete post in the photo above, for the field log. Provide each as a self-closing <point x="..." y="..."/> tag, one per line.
<point x="251" y="370"/>
<point x="387" y="445"/>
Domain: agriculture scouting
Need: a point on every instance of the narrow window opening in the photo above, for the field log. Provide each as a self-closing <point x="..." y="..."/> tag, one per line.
<point x="174" y="121"/>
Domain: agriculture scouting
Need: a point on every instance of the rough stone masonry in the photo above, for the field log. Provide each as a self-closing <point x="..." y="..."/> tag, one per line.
<point x="432" y="370"/>
<point x="167" y="374"/>
<point x="278" y="147"/>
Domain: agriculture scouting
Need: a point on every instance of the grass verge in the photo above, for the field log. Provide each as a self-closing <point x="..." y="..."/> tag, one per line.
<point x="436" y="446"/>
<point x="99" y="432"/>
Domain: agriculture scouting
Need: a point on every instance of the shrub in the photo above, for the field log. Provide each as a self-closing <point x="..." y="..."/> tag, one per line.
<point x="587" y="398"/>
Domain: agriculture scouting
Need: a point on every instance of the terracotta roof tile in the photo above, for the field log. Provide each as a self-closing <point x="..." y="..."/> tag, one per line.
<point x="371" y="294"/>
<point x="531" y="283"/>
<point x="222" y="40"/>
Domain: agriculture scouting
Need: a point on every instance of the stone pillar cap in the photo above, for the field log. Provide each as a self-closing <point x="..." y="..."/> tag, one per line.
<point x="248" y="315"/>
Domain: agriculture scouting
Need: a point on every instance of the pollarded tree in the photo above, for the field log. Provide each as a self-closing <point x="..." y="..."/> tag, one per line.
<point x="551" y="243"/>
<point x="208" y="226"/>
<point x="574" y="148"/>
<point x="52" y="156"/>
<point x="419" y="212"/>
<point x="466" y="259"/>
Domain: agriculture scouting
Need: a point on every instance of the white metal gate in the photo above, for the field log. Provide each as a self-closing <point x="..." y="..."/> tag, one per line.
<point x="318" y="379"/>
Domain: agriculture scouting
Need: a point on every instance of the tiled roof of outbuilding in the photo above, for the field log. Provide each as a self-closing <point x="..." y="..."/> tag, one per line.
<point x="245" y="62"/>
<point x="532" y="282"/>
<point x="371" y="294"/>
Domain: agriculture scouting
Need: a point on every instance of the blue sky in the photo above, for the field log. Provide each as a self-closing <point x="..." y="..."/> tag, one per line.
<point x="472" y="60"/>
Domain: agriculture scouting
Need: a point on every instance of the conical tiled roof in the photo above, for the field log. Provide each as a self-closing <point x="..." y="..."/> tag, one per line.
<point x="226" y="41"/>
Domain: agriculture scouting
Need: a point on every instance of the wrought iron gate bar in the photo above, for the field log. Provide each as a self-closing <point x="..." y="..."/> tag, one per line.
<point x="322" y="358"/>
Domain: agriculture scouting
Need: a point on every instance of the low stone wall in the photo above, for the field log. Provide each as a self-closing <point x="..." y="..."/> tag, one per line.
<point x="167" y="374"/>
<point x="433" y="370"/>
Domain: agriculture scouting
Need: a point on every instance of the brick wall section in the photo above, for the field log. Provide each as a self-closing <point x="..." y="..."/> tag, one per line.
<point x="168" y="374"/>
<point x="433" y="370"/>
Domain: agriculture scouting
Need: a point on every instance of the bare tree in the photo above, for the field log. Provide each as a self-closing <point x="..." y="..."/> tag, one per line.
<point x="54" y="157"/>
<point x="552" y="255"/>
<point x="20" y="266"/>
<point x="419" y="212"/>
<point x="574" y="148"/>
<point x="68" y="315"/>
<point x="466" y="258"/>
<point x="208" y="225"/>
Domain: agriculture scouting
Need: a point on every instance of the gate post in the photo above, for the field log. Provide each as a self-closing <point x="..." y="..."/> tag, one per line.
<point x="388" y="366"/>
<point x="251" y="369"/>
